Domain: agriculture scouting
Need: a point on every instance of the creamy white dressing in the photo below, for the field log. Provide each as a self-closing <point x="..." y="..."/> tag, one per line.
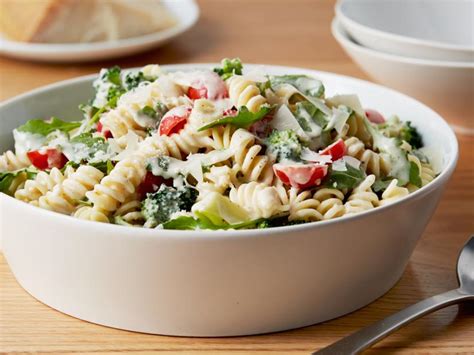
<point x="199" y="79"/>
<point x="26" y="141"/>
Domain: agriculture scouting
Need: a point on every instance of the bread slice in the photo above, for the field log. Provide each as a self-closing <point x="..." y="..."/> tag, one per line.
<point x="72" y="21"/>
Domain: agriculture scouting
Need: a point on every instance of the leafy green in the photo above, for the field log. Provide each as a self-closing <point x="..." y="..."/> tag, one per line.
<point x="243" y="119"/>
<point x="415" y="177"/>
<point x="44" y="128"/>
<point x="132" y="80"/>
<point x="158" y="207"/>
<point x="305" y="84"/>
<point x="148" y="111"/>
<point x="229" y="67"/>
<point x="306" y="111"/>
<point x="380" y="185"/>
<point x="410" y="134"/>
<point x="113" y="75"/>
<point x="284" y="145"/>
<point x="105" y="166"/>
<point x="7" y="178"/>
<point x="347" y="179"/>
<point x="202" y="222"/>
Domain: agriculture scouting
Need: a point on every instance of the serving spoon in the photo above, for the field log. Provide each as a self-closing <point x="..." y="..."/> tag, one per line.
<point x="366" y="337"/>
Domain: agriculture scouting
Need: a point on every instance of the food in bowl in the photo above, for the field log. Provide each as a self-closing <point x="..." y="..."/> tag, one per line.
<point x="215" y="149"/>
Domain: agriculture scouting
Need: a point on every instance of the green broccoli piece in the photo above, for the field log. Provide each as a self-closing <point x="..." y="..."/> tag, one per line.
<point x="284" y="145"/>
<point x="410" y="134"/>
<point x="229" y="67"/>
<point x="112" y="75"/>
<point x="158" y="207"/>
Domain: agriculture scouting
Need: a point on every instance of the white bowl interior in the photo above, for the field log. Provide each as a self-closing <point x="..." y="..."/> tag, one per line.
<point x="443" y="21"/>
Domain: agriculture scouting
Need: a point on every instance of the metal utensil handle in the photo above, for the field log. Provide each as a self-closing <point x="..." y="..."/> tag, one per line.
<point x="362" y="339"/>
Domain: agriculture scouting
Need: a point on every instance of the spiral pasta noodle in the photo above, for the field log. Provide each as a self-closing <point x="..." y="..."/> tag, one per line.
<point x="119" y="185"/>
<point x="41" y="184"/>
<point x="91" y="214"/>
<point x="303" y="206"/>
<point x="371" y="162"/>
<point x="261" y="200"/>
<point x="393" y="193"/>
<point x="65" y="197"/>
<point x="330" y="203"/>
<point x="9" y="161"/>
<point x="218" y="179"/>
<point x="362" y="197"/>
<point x="427" y="173"/>
<point x="130" y="212"/>
<point x="244" y="92"/>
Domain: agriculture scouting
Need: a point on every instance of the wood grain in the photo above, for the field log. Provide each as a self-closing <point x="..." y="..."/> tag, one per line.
<point x="276" y="32"/>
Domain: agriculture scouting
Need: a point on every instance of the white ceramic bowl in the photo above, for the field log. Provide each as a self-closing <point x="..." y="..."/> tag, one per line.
<point x="216" y="283"/>
<point x="446" y="86"/>
<point x="439" y="30"/>
<point x="185" y="11"/>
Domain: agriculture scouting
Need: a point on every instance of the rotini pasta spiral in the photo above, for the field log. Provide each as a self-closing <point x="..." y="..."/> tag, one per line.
<point x="91" y="214"/>
<point x="362" y="197"/>
<point x="243" y="92"/>
<point x="356" y="127"/>
<point x="218" y="179"/>
<point x="10" y="161"/>
<point x="427" y="173"/>
<point x="330" y="203"/>
<point x="178" y="145"/>
<point x="119" y="185"/>
<point x="65" y="197"/>
<point x="303" y="206"/>
<point x="261" y="200"/>
<point x="393" y="193"/>
<point x="41" y="184"/>
<point x="371" y="162"/>
<point x="130" y="212"/>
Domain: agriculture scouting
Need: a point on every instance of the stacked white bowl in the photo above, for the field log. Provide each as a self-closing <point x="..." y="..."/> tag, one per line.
<point x="424" y="48"/>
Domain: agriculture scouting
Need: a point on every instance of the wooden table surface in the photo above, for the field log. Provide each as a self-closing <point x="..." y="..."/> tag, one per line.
<point x="276" y="32"/>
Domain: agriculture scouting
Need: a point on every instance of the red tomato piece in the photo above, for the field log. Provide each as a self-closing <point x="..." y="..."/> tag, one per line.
<point x="174" y="120"/>
<point x="106" y="133"/>
<point x="194" y="93"/>
<point x="301" y="176"/>
<point x="335" y="150"/>
<point x="47" y="158"/>
<point x="374" y="116"/>
<point x="151" y="183"/>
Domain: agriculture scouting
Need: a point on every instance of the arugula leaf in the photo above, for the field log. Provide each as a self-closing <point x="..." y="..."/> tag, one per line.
<point x="414" y="175"/>
<point x="305" y="84"/>
<point x="7" y="178"/>
<point x="306" y="111"/>
<point x="113" y="75"/>
<point x="243" y="119"/>
<point x="347" y="179"/>
<point x="381" y="185"/>
<point x="44" y="128"/>
<point x="229" y="67"/>
<point x="202" y="222"/>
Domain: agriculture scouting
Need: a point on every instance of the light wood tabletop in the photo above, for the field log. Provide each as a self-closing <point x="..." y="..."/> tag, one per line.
<point x="295" y="33"/>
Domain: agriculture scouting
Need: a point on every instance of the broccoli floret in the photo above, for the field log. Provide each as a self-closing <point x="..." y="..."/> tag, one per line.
<point x="112" y="75"/>
<point x="158" y="207"/>
<point x="229" y="68"/>
<point x="132" y="80"/>
<point x="410" y="134"/>
<point x="284" y="145"/>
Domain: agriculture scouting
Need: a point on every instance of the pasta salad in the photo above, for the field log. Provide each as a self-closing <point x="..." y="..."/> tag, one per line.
<point x="221" y="148"/>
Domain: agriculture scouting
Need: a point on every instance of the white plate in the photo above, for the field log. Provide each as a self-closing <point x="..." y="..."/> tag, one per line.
<point x="217" y="283"/>
<point x="185" y="11"/>
<point x="447" y="86"/>
<point x="439" y="30"/>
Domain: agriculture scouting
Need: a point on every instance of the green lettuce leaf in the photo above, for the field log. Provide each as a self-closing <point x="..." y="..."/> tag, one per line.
<point x="8" y="177"/>
<point x="347" y="179"/>
<point x="243" y="119"/>
<point x="44" y="128"/>
<point x="415" y="177"/>
<point x="305" y="84"/>
<point x="202" y="222"/>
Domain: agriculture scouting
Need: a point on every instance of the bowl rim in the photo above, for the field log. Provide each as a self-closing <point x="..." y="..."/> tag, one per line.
<point x="437" y="183"/>
<point x="344" y="38"/>
<point x="401" y="39"/>
<point x="183" y="24"/>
